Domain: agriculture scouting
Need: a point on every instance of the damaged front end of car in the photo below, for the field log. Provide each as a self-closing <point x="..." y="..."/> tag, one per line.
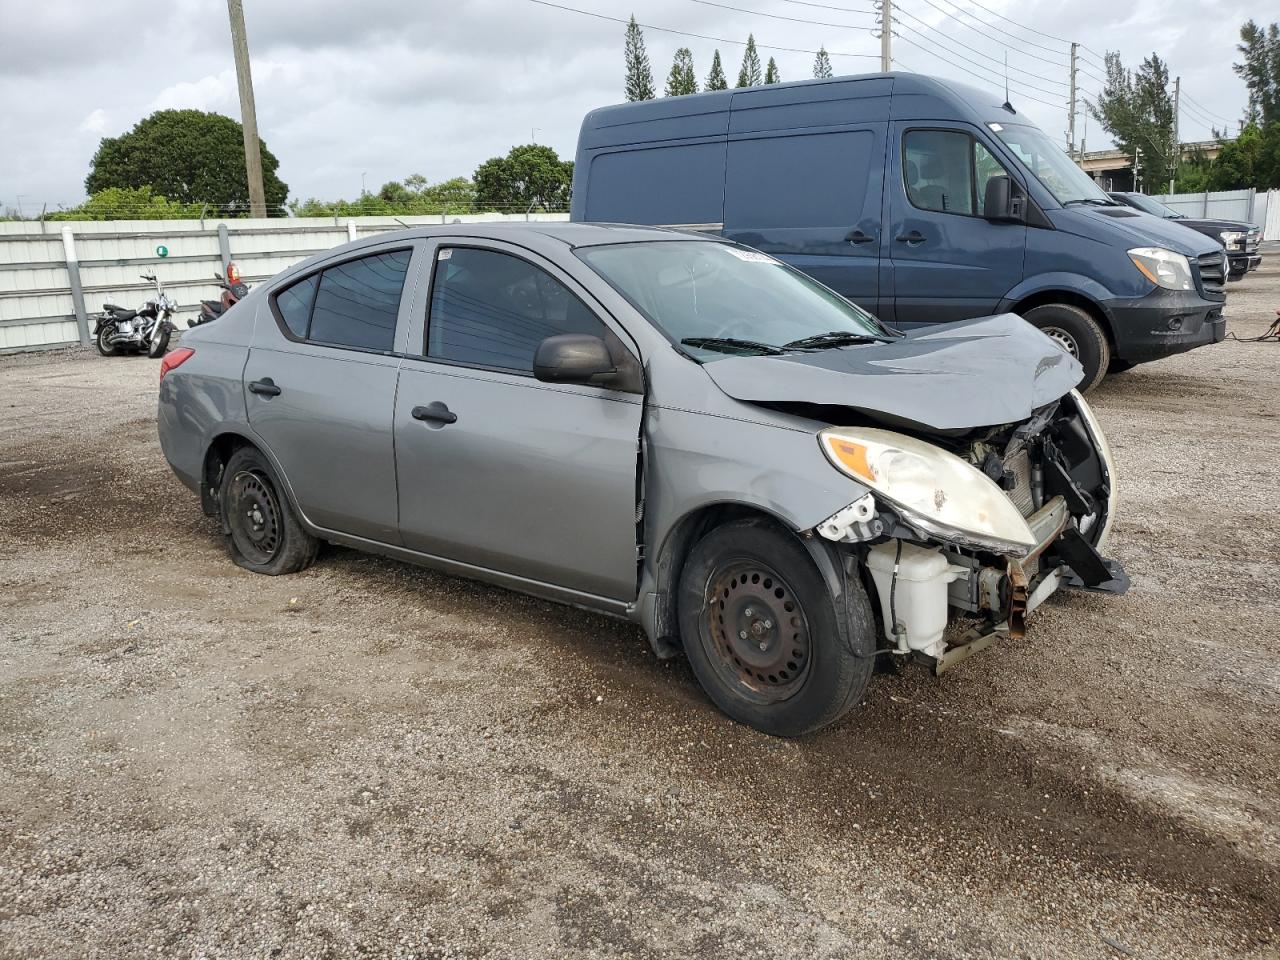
<point x="977" y="526"/>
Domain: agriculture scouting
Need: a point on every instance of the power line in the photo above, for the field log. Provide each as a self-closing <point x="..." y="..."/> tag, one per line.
<point x="1202" y="109"/>
<point x="981" y="66"/>
<point x="828" y="6"/>
<point x="993" y="26"/>
<point x="696" y="36"/>
<point x="778" y="16"/>
<point x="989" y="83"/>
<point x="986" y="56"/>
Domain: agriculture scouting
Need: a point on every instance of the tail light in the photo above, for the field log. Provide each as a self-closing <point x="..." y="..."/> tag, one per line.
<point x="174" y="359"/>
<point x="233" y="273"/>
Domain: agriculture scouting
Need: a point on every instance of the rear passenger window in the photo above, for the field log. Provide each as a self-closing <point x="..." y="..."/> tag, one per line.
<point x="491" y="309"/>
<point x="357" y="302"/>
<point x="938" y="169"/>
<point x="294" y="305"/>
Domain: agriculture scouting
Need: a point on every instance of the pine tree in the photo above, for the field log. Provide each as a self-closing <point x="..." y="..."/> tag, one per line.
<point x="639" y="73"/>
<point x="716" y="80"/>
<point x="822" y="65"/>
<point x="749" y="75"/>
<point x="771" y="74"/>
<point x="682" y="80"/>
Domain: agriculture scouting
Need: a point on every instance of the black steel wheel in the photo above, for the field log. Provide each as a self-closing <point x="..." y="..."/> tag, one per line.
<point x="262" y="531"/>
<point x="767" y="639"/>
<point x="757" y="633"/>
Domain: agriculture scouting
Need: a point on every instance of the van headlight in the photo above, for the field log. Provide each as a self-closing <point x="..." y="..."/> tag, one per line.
<point x="1163" y="267"/>
<point x="934" y="491"/>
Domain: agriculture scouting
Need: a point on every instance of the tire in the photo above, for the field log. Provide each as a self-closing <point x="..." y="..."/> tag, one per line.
<point x="753" y="577"/>
<point x="1078" y="333"/>
<point x="159" y="344"/>
<point x="104" y="348"/>
<point x="259" y="525"/>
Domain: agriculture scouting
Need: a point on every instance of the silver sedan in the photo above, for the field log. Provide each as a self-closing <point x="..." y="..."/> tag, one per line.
<point x="660" y="426"/>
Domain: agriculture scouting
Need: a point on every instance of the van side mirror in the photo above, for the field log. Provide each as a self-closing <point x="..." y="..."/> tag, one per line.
<point x="1003" y="202"/>
<point x="573" y="358"/>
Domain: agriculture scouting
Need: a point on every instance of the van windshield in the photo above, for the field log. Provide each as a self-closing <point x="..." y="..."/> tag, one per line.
<point x="717" y="299"/>
<point x="1049" y="163"/>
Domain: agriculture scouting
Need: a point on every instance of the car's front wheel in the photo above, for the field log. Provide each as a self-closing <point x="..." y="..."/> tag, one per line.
<point x="762" y="631"/>
<point x="261" y="529"/>
<point x="1076" y="332"/>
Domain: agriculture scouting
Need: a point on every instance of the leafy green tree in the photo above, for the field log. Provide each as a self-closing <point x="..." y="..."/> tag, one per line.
<point x="1137" y="111"/>
<point x="530" y="176"/>
<point x="129" y="203"/>
<point x="188" y="156"/>
<point x="771" y="74"/>
<point x="412" y="197"/>
<point x="716" y="80"/>
<point x="749" y="75"/>
<point x="822" y="65"/>
<point x="639" y="73"/>
<point x="682" y="80"/>
<point x="1260" y="71"/>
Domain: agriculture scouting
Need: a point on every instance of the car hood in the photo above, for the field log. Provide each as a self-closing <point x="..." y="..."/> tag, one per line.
<point x="947" y="377"/>
<point x="1142" y="230"/>
<point x="1219" y="225"/>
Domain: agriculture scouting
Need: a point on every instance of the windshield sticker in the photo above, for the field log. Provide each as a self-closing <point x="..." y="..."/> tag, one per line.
<point x="445" y="254"/>
<point x="751" y="256"/>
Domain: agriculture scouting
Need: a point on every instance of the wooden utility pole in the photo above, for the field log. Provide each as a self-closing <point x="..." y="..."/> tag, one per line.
<point x="248" y="115"/>
<point x="1177" y="143"/>
<point x="1071" y="104"/>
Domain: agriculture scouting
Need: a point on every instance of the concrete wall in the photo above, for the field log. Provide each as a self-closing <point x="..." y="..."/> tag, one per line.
<point x="37" y="304"/>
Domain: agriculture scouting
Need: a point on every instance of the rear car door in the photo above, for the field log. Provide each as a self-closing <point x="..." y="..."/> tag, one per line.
<point x="947" y="261"/>
<point x="496" y="469"/>
<point x="320" y="386"/>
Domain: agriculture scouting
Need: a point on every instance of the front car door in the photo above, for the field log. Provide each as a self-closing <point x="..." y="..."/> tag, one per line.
<point x="320" y="384"/>
<point x="947" y="261"/>
<point x="497" y="470"/>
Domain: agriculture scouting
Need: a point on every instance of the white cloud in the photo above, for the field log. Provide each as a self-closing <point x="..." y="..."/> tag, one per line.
<point x="95" y="122"/>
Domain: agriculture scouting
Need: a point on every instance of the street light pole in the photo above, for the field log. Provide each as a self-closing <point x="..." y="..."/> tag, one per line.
<point x="248" y="115"/>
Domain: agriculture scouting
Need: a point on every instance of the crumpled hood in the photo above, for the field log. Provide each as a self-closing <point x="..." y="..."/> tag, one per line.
<point x="952" y="376"/>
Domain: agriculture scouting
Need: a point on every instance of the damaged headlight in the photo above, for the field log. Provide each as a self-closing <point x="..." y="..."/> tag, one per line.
<point x="933" y="491"/>
<point x="1163" y="267"/>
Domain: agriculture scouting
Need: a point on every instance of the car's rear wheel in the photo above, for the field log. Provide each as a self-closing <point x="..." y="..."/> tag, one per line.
<point x="762" y="634"/>
<point x="1076" y="332"/>
<point x="261" y="529"/>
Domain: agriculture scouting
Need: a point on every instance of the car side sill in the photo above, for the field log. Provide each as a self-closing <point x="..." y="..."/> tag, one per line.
<point x="536" y="588"/>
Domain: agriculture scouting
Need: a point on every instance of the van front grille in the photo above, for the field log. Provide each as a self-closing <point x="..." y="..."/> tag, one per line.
<point x="1213" y="272"/>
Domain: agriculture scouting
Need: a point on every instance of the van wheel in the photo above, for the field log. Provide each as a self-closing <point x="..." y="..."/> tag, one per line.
<point x="262" y="532"/>
<point x="1077" y="333"/>
<point x="761" y="632"/>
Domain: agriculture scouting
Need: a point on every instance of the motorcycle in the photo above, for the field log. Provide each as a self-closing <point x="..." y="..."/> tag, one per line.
<point x="233" y="291"/>
<point x="148" y="328"/>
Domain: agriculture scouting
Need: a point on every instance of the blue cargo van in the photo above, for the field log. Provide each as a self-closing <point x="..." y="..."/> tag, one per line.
<point x="921" y="200"/>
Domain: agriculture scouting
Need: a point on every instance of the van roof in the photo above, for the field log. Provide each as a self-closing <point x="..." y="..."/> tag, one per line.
<point x="915" y="96"/>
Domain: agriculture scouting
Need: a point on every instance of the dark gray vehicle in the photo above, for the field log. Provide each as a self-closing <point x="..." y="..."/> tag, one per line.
<point x="665" y="427"/>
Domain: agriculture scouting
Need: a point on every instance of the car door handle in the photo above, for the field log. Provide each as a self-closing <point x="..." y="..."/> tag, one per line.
<point x="914" y="237"/>
<point x="435" y="412"/>
<point x="857" y="236"/>
<point x="266" y="387"/>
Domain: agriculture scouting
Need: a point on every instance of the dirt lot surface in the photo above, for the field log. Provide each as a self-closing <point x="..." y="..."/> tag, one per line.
<point x="369" y="759"/>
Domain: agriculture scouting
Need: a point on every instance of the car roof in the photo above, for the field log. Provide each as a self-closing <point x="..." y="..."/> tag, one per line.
<point x="571" y="234"/>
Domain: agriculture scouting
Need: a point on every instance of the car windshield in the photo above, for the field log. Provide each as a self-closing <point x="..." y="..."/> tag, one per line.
<point x="1147" y="205"/>
<point x="1050" y="164"/>
<point x="717" y="299"/>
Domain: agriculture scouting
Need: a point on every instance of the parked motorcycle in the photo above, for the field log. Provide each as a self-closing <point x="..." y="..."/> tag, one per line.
<point x="148" y="328"/>
<point x="233" y="291"/>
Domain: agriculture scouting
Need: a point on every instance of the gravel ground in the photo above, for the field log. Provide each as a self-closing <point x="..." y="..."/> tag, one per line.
<point x="373" y="759"/>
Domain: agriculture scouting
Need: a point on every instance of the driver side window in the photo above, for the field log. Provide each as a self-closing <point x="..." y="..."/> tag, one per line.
<point x="492" y="309"/>
<point x="947" y="171"/>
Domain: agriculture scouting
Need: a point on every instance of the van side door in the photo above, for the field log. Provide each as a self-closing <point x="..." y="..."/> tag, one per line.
<point x="948" y="260"/>
<point x="812" y="198"/>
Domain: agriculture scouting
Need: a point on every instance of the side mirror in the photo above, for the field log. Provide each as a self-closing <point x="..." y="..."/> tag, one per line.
<point x="573" y="358"/>
<point x="1002" y="202"/>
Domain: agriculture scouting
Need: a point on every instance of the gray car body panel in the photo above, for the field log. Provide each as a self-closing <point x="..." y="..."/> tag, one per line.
<point x="955" y="376"/>
<point x="694" y="446"/>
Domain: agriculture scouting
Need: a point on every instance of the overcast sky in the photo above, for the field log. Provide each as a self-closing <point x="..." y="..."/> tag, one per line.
<point x="381" y="89"/>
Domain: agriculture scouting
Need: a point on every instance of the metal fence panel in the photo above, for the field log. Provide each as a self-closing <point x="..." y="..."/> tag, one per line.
<point x="1217" y="205"/>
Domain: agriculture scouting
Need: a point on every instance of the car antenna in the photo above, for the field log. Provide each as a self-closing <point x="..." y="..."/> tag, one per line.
<point x="401" y="222"/>
<point x="1007" y="105"/>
